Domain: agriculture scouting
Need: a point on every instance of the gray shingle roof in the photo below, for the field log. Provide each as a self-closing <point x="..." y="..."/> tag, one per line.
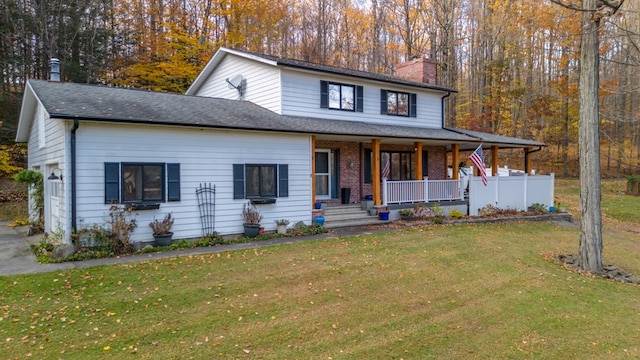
<point x="499" y="139"/>
<point x="342" y="71"/>
<point x="101" y="103"/>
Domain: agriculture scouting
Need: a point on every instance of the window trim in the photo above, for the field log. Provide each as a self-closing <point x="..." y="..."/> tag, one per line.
<point x="358" y="96"/>
<point x="261" y="181"/>
<point x="114" y="183"/>
<point x="384" y="103"/>
<point x="163" y="186"/>
<point x="240" y="175"/>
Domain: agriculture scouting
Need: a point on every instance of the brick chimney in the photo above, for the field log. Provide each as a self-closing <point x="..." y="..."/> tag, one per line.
<point x="419" y="70"/>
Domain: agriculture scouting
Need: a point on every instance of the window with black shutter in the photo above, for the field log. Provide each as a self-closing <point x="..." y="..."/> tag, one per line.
<point x="141" y="182"/>
<point x="337" y="96"/>
<point x="398" y="103"/>
<point x="252" y="181"/>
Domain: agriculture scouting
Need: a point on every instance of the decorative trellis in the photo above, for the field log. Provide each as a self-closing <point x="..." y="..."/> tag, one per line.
<point x="206" y="195"/>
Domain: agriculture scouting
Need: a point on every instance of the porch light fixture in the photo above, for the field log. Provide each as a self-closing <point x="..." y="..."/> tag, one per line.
<point x="53" y="175"/>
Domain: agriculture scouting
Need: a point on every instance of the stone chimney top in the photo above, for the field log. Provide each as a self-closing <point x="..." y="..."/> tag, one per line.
<point x="54" y="74"/>
<point x="418" y="69"/>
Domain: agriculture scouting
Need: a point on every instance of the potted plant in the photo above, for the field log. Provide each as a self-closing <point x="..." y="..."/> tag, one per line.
<point x="252" y="218"/>
<point x="162" y="230"/>
<point x="281" y="226"/>
<point x="383" y="213"/>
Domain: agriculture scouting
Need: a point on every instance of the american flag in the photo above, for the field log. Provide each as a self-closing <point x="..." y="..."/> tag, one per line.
<point x="478" y="160"/>
<point x="386" y="168"/>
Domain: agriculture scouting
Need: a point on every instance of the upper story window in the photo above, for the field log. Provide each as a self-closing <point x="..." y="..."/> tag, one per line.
<point x="398" y="103"/>
<point x="141" y="182"/>
<point x="341" y="96"/>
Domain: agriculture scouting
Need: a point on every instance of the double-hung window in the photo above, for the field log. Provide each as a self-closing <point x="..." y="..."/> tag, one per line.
<point x="337" y="96"/>
<point x="252" y="181"/>
<point x="398" y="103"/>
<point x="141" y="182"/>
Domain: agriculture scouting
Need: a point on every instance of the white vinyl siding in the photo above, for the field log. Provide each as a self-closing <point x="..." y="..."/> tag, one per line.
<point x="46" y="148"/>
<point x="301" y="97"/>
<point x="205" y="156"/>
<point x="261" y="82"/>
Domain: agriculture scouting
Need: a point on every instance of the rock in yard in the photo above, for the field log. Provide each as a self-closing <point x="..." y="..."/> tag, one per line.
<point x="63" y="251"/>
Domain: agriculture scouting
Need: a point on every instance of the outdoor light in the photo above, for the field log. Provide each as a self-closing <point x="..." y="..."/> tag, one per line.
<point x="53" y="175"/>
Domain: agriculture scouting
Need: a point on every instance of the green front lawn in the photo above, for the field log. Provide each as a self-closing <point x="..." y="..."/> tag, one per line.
<point x="441" y="292"/>
<point x="455" y="292"/>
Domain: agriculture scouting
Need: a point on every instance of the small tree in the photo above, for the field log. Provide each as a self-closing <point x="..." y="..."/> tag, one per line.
<point x="36" y="191"/>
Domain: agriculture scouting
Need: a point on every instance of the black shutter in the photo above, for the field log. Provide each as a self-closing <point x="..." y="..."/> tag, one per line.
<point x="111" y="183"/>
<point x="359" y="98"/>
<point x="173" y="182"/>
<point x="238" y="181"/>
<point x="367" y="166"/>
<point x="383" y="101"/>
<point x="324" y="94"/>
<point x="425" y="163"/>
<point x="336" y="174"/>
<point x="283" y="180"/>
<point x="413" y="103"/>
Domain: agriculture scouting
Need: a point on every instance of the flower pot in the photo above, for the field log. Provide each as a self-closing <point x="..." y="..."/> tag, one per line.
<point x="163" y="240"/>
<point x="319" y="220"/>
<point x="281" y="229"/>
<point x="384" y="215"/>
<point x="251" y="230"/>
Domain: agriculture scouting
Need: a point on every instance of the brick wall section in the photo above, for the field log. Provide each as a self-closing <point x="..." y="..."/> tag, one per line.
<point x="352" y="176"/>
<point x="420" y="70"/>
<point x="437" y="162"/>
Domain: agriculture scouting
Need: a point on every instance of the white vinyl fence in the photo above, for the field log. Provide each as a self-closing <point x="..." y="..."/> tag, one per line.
<point x="510" y="192"/>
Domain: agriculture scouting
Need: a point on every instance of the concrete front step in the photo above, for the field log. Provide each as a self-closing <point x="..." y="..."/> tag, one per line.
<point x="347" y="216"/>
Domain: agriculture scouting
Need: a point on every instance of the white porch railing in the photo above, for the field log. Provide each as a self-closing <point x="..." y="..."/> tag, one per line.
<point x="504" y="192"/>
<point x="406" y="191"/>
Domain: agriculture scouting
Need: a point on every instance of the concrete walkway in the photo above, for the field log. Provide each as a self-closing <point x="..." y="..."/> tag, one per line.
<point x="16" y="256"/>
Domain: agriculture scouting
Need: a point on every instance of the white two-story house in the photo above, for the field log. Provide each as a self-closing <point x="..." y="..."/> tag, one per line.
<point x="278" y="132"/>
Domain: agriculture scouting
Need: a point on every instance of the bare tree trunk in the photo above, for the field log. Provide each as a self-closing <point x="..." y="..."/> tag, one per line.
<point x="588" y="136"/>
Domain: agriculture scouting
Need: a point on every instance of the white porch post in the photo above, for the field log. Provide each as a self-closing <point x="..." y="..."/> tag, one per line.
<point x="384" y="191"/>
<point x="497" y="199"/>
<point x="524" y="187"/>
<point x="551" y="199"/>
<point x="426" y="189"/>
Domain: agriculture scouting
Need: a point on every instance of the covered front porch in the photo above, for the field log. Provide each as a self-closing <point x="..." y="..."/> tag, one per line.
<point x="397" y="172"/>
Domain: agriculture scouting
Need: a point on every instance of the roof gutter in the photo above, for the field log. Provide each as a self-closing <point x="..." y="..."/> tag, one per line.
<point x="444" y="97"/>
<point x="76" y="124"/>
<point x="534" y="151"/>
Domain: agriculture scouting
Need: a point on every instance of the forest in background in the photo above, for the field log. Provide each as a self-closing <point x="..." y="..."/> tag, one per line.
<point x="514" y="63"/>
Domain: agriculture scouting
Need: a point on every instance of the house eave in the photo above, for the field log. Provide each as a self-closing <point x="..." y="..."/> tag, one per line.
<point x="216" y="59"/>
<point x="27" y="112"/>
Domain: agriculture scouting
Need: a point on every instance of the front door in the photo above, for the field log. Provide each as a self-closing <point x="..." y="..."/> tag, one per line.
<point x="323" y="174"/>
